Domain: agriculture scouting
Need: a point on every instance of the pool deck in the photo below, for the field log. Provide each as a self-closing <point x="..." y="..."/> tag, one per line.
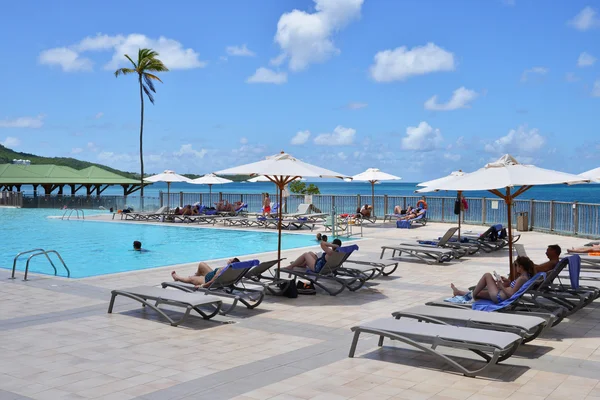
<point x="57" y="340"/>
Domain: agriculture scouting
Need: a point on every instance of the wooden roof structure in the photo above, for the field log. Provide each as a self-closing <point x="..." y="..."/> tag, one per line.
<point x="52" y="177"/>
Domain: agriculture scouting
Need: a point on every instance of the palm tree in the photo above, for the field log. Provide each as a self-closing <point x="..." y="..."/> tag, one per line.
<point x="147" y="62"/>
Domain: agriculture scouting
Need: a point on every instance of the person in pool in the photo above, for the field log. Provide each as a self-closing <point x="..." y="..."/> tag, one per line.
<point x="497" y="291"/>
<point x="204" y="275"/>
<point x="137" y="245"/>
<point x="314" y="262"/>
<point x="321" y="238"/>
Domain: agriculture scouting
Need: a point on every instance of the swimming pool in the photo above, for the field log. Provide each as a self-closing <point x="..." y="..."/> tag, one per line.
<point x="92" y="248"/>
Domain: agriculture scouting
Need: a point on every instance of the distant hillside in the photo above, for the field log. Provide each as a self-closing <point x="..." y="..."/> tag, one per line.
<point x="7" y="155"/>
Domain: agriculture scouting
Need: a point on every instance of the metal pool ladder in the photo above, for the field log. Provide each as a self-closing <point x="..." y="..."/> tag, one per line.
<point x="39" y="252"/>
<point x="70" y="212"/>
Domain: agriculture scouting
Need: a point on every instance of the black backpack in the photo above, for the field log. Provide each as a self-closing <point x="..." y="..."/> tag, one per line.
<point x="288" y="289"/>
<point x="306" y="288"/>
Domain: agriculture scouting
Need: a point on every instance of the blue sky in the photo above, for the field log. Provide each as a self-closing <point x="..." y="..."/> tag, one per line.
<point x="344" y="84"/>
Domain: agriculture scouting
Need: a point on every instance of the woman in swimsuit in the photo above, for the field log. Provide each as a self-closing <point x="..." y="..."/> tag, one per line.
<point x="204" y="276"/>
<point x="498" y="291"/>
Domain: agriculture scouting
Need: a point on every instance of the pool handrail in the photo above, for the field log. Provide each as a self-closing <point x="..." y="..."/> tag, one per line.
<point x="39" y="253"/>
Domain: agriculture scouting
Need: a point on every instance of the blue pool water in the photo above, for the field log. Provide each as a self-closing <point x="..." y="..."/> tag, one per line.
<point x="92" y="248"/>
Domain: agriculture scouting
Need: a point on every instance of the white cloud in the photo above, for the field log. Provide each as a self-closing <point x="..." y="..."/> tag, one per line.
<point x="340" y="136"/>
<point x="92" y="147"/>
<point x="265" y="75"/>
<point x="596" y="88"/>
<point x="535" y="71"/>
<point x="509" y="3"/>
<point x="571" y="77"/>
<point x="68" y="59"/>
<point x="356" y="106"/>
<point x="243" y="140"/>
<point x="11" y="142"/>
<point x="401" y="63"/>
<point x="306" y="38"/>
<point x="461" y="98"/>
<point x="518" y="140"/>
<point x="277" y="61"/>
<point x="585" y="20"/>
<point x="111" y="157"/>
<point x="188" y="150"/>
<point x="171" y="52"/>
<point x="99" y="115"/>
<point x="23" y="122"/>
<point x="342" y="156"/>
<point x="240" y="51"/>
<point x="301" y="137"/>
<point x="586" y="60"/>
<point x="452" y="156"/>
<point x="422" y="138"/>
<point x="76" y="150"/>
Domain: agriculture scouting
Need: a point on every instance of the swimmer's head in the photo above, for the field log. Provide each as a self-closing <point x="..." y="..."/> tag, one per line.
<point x="137" y="245"/>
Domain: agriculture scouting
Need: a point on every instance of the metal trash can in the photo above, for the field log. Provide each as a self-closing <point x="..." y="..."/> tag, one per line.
<point x="523" y="221"/>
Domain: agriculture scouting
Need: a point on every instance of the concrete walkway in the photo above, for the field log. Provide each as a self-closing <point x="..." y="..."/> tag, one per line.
<point x="58" y="342"/>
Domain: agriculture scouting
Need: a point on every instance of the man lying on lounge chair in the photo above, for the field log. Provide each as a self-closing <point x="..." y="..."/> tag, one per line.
<point x="586" y="249"/>
<point x="313" y="261"/>
<point x="204" y="275"/>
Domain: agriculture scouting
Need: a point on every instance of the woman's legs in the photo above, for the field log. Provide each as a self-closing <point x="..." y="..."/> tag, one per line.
<point x="457" y="292"/>
<point x="486" y="282"/>
<point x="397" y="210"/>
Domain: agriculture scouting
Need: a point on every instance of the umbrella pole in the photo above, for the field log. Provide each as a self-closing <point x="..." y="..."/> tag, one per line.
<point x="373" y="196"/>
<point x="508" y="199"/>
<point x="168" y="194"/>
<point x="280" y="186"/>
<point x="459" y="213"/>
<point x="209" y="194"/>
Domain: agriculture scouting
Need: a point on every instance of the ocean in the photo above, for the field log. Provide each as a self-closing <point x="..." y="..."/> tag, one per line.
<point x="585" y="193"/>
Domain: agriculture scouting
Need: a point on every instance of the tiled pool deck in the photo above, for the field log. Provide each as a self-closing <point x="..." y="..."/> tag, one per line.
<point x="58" y="342"/>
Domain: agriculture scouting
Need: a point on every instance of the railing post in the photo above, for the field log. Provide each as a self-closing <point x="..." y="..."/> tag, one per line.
<point x="385" y="204"/>
<point x="358" y="201"/>
<point x="483" y="210"/>
<point x="332" y="205"/>
<point x="531" y="214"/>
<point x="221" y="196"/>
<point x="443" y="203"/>
<point x="575" y="219"/>
<point x="404" y="202"/>
<point x="160" y="196"/>
<point x="201" y="203"/>
<point x="551" y="215"/>
<point x="180" y="199"/>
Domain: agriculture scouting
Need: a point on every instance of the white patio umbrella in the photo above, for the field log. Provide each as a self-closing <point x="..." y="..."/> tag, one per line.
<point x="507" y="173"/>
<point x="210" y="179"/>
<point x="167" y="176"/>
<point x="281" y="169"/>
<point x="592" y="174"/>
<point x="374" y="175"/>
<point x="432" y="184"/>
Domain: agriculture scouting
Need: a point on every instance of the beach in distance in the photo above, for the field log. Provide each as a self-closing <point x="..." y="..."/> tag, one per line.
<point x="584" y="193"/>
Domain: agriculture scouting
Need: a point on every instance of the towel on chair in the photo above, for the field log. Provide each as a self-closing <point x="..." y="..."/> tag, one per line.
<point x="489" y="305"/>
<point x="403" y="224"/>
<point x="574" y="269"/>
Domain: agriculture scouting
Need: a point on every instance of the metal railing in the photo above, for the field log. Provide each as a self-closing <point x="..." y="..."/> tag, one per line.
<point x="38" y="252"/>
<point x="70" y="212"/>
<point x="11" y="199"/>
<point x="565" y="218"/>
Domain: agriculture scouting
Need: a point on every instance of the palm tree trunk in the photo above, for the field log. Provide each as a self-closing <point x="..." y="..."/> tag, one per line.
<point x="141" y="141"/>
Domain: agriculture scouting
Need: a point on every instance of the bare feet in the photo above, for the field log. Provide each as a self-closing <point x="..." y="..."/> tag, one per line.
<point x="176" y="277"/>
<point x="456" y="291"/>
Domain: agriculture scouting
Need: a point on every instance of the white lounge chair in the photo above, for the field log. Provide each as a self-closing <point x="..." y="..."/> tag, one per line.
<point x="428" y="254"/>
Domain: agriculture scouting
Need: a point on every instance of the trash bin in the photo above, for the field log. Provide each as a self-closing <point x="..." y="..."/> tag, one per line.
<point x="523" y="221"/>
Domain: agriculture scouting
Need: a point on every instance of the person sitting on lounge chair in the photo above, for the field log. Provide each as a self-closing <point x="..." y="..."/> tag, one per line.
<point x="364" y="211"/>
<point x="314" y="262"/>
<point x="399" y="211"/>
<point x="187" y="210"/>
<point x="498" y="291"/>
<point x="204" y="275"/>
<point x="553" y="254"/>
<point x="414" y="213"/>
<point x="587" y="249"/>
